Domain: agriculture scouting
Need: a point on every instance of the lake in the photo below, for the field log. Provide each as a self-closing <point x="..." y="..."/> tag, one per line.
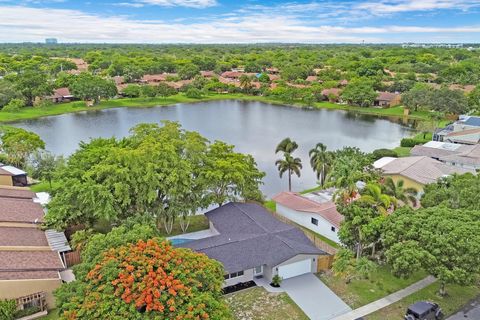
<point x="253" y="127"/>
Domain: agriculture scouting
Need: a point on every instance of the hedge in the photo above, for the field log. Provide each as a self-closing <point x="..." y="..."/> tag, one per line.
<point x="410" y="142"/>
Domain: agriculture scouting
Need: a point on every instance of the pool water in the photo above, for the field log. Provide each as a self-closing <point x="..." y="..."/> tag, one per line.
<point x="179" y="241"/>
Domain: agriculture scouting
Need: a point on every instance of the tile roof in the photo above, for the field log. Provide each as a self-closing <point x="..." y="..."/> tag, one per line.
<point x="20" y="210"/>
<point x="22" y="237"/>
<point x="295" y="201"/>
<point x="13" y="171"/>
<point x="332" y="91"/>
<point x="16" y="192"/>
<point x="473" y="121"/>
<point x="28" y="275"/>
<point x="387" y="96"/>
<point x="463" y="133"/>
<point x="466" y="155"/>
<point x="250" y="236"/>
<point x="421" y="169"/>
<point x="12" y="261"/>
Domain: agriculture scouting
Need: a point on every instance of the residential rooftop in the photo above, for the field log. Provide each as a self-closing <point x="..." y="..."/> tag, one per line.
<point x="250" y="236"/>
<point x="20" y="210"/>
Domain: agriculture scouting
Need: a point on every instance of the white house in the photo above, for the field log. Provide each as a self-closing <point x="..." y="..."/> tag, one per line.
<point x="316" y="212"/>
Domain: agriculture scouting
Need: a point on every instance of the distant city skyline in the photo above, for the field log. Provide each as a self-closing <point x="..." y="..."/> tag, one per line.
<point x="251" y="21"/>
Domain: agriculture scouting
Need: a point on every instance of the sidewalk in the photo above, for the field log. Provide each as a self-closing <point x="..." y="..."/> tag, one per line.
<point x="386" y="301"/>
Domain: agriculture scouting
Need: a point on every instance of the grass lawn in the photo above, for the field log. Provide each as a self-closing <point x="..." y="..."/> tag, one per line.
<point x="43" y="186"/>
<point x="270" y="205"/>
<point x="457" y="297"/>
<point x="197" y="223"/>
<point x="363" y="291"/>
<point x="258" y="304"/>
<point x="402" y="151"/>
<point x="52" y="315"/>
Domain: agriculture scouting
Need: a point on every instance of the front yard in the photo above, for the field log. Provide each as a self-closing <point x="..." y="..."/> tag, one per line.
<point x="258" y="304"/>
<point x="360" y="292"/>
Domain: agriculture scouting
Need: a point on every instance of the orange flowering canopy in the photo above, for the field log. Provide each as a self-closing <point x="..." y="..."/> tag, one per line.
<point x="151" y="280"/>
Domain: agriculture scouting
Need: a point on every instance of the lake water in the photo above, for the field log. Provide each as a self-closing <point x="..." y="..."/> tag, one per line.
<point x="253" y="127"/>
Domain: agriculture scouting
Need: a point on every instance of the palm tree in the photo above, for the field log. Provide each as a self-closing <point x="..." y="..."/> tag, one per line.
<point x="397" y="190"/>
<point x="286" y="145"/>
<point x="245" y="82"/>
<point x="291" y="165"/>
<point x="320" y="160"/>
<point x="373" y="196"/>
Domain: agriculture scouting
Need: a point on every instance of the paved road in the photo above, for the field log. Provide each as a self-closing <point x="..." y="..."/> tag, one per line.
<point x="386" y="301"/>
<point x="313" y="297"/>
<point x="469" y="312"/>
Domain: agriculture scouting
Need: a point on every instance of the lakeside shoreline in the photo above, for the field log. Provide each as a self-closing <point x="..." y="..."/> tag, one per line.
<point x="30" y="113"/>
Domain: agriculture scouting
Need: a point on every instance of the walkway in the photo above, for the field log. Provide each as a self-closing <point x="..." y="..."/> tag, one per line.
<point x="316" y="300"/>
<point x="386" y="301"/>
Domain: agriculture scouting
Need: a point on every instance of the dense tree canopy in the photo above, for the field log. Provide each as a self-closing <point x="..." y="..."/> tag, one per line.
<point x="19" y="145"/>
<point x="440" y="240"/>
<point x="165" y="172"/>
<point x="90" y="87"/>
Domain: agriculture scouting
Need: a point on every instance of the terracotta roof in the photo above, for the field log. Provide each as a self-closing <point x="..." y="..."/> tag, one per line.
<point x="16" y="192"/>
<point x="19" y="210"/>
<point x="332" y="91"/>
<point x="387" y="96"/>
<point x="12" y="261"/>
<point x="422" y="169"/>
<point x="22" y="237"/>
<point x="311" y="78"/>
<point x="297" y="202"/>
<point x="61" y="92"/>
<point x="236" y="74"/>
<point x="207" y="74"/>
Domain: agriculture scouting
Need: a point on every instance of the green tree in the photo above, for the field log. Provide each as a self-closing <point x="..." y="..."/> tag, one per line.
<point x="188" y="71"/>
<point x="419" y="97"/>
<point x="264" y="78"/>
<point x="473" y="98"/>
<point x="89" y="87"/>
<point x="45" y="164"/>
<point x="288" y="164"/>
<point x="245" y="82"/>
<point x="165" y="91"/>
<point x="132" y="91"/>
<point x="194" y="93"/>
<point x="7" y="92"/>
<point x="8" y="309"/>
<point x="372" y="195"/>
<point x="359" y="93"/>
<point x="148" y="91"/>
<point x="397" y="190"/>
<point x="19" y="144"/>
<point x="442" y="241"/>
<point x="230" y="176"/>
<point x="14" y="105"/>
<point x="320" y="160"/>
<point x="32" y="84"/>
<point x="449" y="101"/>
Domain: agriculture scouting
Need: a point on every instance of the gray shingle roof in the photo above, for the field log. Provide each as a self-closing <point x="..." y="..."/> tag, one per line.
<point x="250" y="236"/>
<point x="473" y="121"/>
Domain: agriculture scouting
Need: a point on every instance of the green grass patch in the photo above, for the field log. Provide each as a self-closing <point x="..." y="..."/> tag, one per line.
<point x="44" y="186"/>
<point x="52" y="315"/>
<point x="319" y="236"/>
<point x="270" y="205"/>
<point x="317" y="188"/>
<point x="363" y="291"/>
<point x="402" y="151"/>
<point x="197" y="223"/>
<point x="258" y="304"/>
<point x="457" y="297"/>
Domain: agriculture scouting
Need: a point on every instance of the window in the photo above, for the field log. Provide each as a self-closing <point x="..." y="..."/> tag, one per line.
<point x="233" y="275"/>
<point x="239" y="273"/>
<point x="315" y="221"/>
<point x="226" y="277"/>
<point x="333" y="229"/>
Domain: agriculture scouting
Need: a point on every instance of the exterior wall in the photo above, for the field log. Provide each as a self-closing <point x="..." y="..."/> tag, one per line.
<point x="10" y="289"/>
<point x="247" y="276"/>
<point x="408" y="183"/>
<point x="305" y="220"/>
<point x="6" y="181"/>
<point x="273" y="270"/>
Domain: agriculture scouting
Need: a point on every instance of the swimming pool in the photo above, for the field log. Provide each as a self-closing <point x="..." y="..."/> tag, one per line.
<point x="179" y="241"/>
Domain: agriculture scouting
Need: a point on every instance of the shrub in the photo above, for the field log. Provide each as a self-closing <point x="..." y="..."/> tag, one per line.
<point x="14" y="105"/>
<point x="276" y="280"/>
<point x="380" y="153"/>
<point x="194" y="93"/>
<point x="410" y="142"/>
<point x="7" y="309"/>
<point x="27" y="311"/>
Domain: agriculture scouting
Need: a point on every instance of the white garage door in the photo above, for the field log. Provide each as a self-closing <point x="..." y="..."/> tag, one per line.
<point x="295" y="269"/>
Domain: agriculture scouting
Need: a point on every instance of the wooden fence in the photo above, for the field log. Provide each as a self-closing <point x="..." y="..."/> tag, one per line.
<point x="72" y="258"/>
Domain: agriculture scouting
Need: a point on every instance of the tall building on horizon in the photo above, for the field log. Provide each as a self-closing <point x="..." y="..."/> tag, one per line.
<point x="51" y="41"/>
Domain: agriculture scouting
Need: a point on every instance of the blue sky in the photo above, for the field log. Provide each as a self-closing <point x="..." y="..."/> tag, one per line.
<point x="251" y="21"/>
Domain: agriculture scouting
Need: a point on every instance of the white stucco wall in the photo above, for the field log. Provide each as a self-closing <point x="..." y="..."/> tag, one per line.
<point x="273" y="270"/>
<point x="247" y="276"/>
<point x="304" y="219"/>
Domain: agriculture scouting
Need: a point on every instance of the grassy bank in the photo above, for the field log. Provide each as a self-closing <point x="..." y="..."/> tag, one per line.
<point x="79" y="106"/>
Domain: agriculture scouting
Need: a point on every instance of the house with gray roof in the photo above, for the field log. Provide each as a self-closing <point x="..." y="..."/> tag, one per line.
<point x="459" y="155"/>
<point x="251" y="243"/>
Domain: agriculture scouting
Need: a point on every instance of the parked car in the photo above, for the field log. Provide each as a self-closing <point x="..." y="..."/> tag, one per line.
<point x="424" y="310"/>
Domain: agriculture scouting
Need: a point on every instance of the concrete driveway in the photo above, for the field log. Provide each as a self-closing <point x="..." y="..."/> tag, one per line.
<point x="470" y="311"/>
<point x="314" y="298"/>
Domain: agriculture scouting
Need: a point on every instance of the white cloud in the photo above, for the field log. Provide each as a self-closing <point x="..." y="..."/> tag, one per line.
<point x="78" y="26"/>
<point x="398" y="6"/>
<point x="177" y="3"/>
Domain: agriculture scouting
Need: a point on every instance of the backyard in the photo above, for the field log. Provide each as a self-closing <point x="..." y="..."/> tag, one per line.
<point x="258" y="304"/>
